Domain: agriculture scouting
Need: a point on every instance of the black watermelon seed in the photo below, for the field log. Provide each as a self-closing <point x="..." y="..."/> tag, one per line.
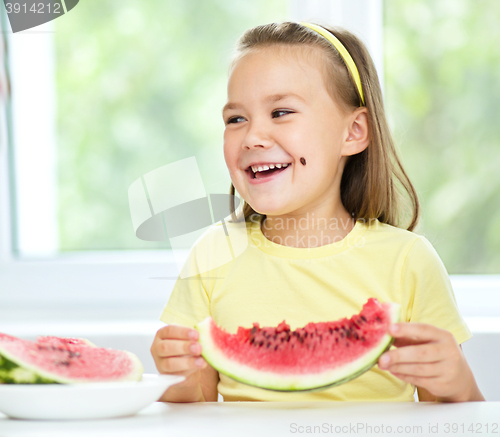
<point x="261" y="343"/>
<point x="341" y="335"/>
<point x="348" y="334"/>
<point x="378" y="319"/>
<point x="363" y="339"/>
<point x="356" y="336"/>
<point x="363" y="318"/>
<point x="253" y="330"/>
<point x="276" y="347"/>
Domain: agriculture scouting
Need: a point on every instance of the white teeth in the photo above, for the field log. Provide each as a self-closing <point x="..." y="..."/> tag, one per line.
<point x="256" y="168"/>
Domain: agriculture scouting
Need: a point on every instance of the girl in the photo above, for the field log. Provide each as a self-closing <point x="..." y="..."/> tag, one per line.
<point x="308" y="148"/>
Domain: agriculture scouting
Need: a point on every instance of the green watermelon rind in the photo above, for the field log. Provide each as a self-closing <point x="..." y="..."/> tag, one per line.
<point x="14" y="370"/>
<point x="11" y="373"/>
<point x="293" y="382"/>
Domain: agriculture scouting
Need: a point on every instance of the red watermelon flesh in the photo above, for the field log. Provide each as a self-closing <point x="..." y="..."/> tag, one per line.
<point x="317" y="355"/>
<point x="63" y="360"/>
<point x="62" y="341"/>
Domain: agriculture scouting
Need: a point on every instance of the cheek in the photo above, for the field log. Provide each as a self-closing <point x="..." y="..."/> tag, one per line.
<point x="304" y="139"/>
<point x="230" y="155"/>
<point x="227" y="147"/>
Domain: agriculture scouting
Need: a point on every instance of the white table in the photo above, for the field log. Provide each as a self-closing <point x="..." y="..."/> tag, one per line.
<point x="278" y="419"/>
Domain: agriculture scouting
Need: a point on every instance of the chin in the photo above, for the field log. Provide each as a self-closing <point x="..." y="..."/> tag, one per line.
<point x="268" y="210"/>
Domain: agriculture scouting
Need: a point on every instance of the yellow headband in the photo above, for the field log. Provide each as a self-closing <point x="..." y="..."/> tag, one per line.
<point x="343" y="52"/>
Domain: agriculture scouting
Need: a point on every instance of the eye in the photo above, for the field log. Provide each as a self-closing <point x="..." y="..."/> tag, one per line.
<point x="235" y="119"/>
<point x="280" y="113"/>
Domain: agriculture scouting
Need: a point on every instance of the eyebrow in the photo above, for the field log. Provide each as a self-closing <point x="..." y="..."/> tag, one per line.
<point x="271" y="99"/>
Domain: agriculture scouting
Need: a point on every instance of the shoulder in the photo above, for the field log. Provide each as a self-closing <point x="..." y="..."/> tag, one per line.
<point x="410" y="245"/>
<point x="383" y="233"/>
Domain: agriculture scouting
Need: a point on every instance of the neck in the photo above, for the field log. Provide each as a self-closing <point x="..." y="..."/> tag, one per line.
<point x="310" y="229"/>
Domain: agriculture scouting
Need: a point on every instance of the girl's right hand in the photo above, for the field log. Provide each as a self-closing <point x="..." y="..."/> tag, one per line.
<point x="176" y="351"/>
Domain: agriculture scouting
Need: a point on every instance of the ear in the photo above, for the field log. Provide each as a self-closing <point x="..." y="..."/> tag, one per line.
<point x="357" y="133"/>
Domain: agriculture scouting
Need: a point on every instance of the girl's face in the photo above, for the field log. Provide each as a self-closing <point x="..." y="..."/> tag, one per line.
<point x="279" y="111"/>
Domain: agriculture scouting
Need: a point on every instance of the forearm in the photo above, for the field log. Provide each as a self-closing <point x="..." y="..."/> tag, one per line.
<point x="471" y="393"/>
<point x="183" y="394"/>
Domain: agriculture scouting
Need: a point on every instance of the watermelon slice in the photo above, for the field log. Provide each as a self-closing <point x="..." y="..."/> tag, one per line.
<point x="63" y="360"/>
<point x="315" y="357"/>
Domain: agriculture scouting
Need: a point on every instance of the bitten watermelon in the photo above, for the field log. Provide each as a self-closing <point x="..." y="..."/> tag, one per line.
<point x="317" y="356"/>
<point x="63" y="360"/>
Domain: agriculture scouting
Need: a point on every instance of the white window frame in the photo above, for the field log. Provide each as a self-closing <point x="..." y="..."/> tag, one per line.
<point x="135" y="284"/>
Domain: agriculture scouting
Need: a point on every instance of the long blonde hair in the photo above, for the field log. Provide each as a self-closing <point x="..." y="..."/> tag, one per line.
<point x="374" y="183"/>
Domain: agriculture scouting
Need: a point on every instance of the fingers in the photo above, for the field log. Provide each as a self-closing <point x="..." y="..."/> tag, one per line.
<point x="427" y="357"/>
<point x="427" y="370"/>
<point x="416" y="333"/>
<point x="417" y="343"/>
<point x="422" y="350"/>
<point x="419" y="381"/>
<point x="178" y="332"/>
<point x="176" y="348"/>
<point x="176" y="351"/>
<point x="425" y="353"/>
<point x="181" y="364"/>
<point x="424" y="361"/>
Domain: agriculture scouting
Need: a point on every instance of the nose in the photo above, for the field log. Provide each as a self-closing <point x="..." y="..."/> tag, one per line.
<point x="258" y="135"/>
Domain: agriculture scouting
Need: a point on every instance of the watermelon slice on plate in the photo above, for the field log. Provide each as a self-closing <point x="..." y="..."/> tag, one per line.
<point x="315" y="357"/>
<point x="63" y="360"/>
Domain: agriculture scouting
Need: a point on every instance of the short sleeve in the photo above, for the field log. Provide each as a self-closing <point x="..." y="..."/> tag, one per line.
<point x="427" y="292"/>
<point x="188" y="304"/>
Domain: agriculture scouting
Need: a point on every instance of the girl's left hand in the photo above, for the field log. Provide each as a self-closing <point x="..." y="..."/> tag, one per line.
<point x="430" y="358"/>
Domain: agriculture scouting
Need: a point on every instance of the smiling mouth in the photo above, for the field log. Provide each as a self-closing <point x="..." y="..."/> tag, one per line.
<point x="265" y="173"/>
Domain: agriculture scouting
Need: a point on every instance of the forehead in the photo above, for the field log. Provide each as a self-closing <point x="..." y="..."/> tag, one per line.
<point x="279" y="69"/>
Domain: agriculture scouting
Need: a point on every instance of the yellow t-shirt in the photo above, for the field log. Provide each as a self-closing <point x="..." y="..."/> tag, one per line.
<point x="269" y="282"/>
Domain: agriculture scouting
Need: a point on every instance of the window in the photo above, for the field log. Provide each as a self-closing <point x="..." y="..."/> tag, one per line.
<point x="123" y="89"/>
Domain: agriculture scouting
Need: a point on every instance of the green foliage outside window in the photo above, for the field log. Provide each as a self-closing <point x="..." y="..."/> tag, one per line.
<point x="442" y="90"/>
<point x="140" y="84"/>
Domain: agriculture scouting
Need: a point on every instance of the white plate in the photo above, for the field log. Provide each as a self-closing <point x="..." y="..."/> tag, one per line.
<point x="94" y="400"/>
